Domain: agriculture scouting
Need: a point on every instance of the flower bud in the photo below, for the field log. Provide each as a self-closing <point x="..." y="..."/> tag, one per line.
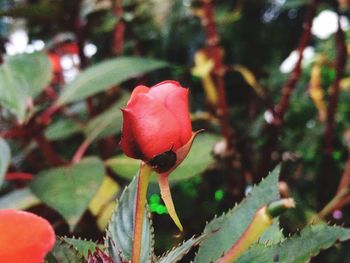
<point x="156" y="124"/>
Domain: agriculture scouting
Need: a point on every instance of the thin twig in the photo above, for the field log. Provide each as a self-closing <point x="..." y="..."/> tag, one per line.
<point x="119" y="29"/>
<point x="341" y="58"/>
<point x="215" y="53"/>
<point x="326" y="168"/>
<point x="290" y="85"/>
<point x="273" y="129"/>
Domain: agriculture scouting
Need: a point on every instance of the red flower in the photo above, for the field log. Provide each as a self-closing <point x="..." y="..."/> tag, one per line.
<point x="156" y="124"/>
<point x="25" y="237"/>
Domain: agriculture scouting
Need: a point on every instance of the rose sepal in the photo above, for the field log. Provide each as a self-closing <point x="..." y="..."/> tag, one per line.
<point x="163" y="181"/>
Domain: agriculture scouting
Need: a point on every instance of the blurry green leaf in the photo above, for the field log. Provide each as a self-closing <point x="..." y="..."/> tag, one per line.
<point x="44" y="10"/>
<point x="124" y="166"/>
<point x="177" y="253"/>
<point x="195" y="163"/>
<point x="5" y="158"/>
<point x="291" y="4"/>
<point x="70" y="189"/>
<point x="299" y="248"/>
<point x="64" y="252"/>
<point x="104" y="75"/>
<point x="82" y="246"/>
<point x="227" y="229"/>
<point x="91" y="6"/>
<point x="19" y="199"/>
<point x="109" y="122"/>
<point x="121" y="227"/>
<point x="62" y="129"/>
<point x="23" y="77"/>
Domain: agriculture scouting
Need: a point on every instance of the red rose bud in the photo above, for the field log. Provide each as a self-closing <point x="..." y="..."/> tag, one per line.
<point x="25" y="237"/>
<point x="156" y="124"/>
<point x="157" y="129"/>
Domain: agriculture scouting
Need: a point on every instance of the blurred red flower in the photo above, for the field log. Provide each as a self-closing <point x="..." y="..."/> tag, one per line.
<point x="25" y="237"/>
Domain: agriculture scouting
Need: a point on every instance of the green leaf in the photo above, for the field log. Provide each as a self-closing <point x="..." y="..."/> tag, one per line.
<point x="107" y="123"/>
<point x="70" y="189"/>
<point x="19" y="199"/>
<point x="5" y="158"/>
<point x="121" y="227"/>
<point x="227" y="229"/>
<point x="62" y="129"/>
<point x="23" y="77"/>
<point x="44" y="10"/>
<point x="299" y="248"/>
<point x="104" y="75"/>
<point x="113" y="252"/>
<point x="64" y="252"/>
<point x="91" y="6"/>
<point x="82" y="246"/>
<point x="177" y="253"/>
<point x="195" y="163"/>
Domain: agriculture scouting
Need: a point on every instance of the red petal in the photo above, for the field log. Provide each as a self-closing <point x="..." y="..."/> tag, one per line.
<point x="138" y="90"/>
<point x="128" y="142"/>
<point x="175" y="99"/>
<point x="25" y="237"/>
<point x="149" y="129"/>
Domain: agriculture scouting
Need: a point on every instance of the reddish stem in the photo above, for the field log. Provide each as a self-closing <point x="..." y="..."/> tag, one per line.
<point x="18" y="176"/>
<point x="341" y="58"/>
<point x="290" y="85"/>
<point x="45" y="118"/>
<point x="16" y="132"/>
<point x="118" y="41"/>
<point x="51" y="93"/>
<point x="280" y="109"/>
<point x="48" y="150"/>
<point x="327" y="163"/>
<point x="215" y="52"/>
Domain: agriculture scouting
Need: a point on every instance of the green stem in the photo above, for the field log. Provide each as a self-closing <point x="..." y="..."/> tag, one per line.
<point x="142" y="185"/>
<point x="331" y="205"/>
<point x="262" y="220"/>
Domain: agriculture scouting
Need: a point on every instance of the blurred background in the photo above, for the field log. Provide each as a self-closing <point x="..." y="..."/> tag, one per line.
<point x="269" y="82"/>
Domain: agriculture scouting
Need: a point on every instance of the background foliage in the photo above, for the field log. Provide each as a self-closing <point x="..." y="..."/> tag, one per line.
<point x="60" y="97"/>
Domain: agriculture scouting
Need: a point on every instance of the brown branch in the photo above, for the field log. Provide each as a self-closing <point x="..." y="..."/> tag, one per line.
<point x="326" y="170"/>
<point x="16" y="132"/>
<point x="215" y="52"/>
<point x="281" y="108"/>
<point x="290" y="85"/>
<point x="342" y="196"/>
<point x="119" y="29"/>
<point x="341" y="58"/>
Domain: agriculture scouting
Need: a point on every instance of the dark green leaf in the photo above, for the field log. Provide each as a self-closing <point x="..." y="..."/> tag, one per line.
<point x="227" y="229"/>
<point x="70" y="189"/>
<point x="299" y="248"/>
<point x="177" y="253"/>
<point x="104" y="75"/>
<point x="121" y="227"/>
<point x="63" y="252"/>
<point x="82" y="246"/>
